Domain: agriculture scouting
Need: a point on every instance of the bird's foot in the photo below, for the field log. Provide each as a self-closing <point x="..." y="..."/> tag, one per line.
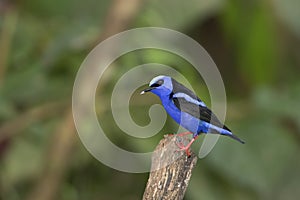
<point x="184" y="148"/>
<point x="187" y="147"/>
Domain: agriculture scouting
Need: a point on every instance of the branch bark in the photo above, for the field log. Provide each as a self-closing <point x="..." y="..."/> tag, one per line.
<point x="171" y="170"/>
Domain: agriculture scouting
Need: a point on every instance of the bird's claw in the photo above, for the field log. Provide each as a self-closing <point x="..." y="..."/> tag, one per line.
<point x="187" y="147"/>
<point x="184" y="148"/>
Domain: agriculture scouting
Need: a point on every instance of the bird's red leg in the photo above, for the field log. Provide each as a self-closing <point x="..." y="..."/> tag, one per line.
<point x="180" y="145"/>
<point x="187" y="147"/>
<point x="184" y="133"/>
<point x="180" y="134"/>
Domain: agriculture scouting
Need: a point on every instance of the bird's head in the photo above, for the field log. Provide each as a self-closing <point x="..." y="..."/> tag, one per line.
<point x="160" y="85"/>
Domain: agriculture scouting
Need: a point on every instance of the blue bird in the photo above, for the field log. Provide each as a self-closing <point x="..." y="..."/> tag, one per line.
<point x="187" y="109"/>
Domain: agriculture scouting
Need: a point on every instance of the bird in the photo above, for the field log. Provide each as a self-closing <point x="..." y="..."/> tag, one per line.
<point x="187" y="109"/>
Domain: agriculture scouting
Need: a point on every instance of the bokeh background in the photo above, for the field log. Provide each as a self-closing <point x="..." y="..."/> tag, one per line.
<point x="255" y="45"/>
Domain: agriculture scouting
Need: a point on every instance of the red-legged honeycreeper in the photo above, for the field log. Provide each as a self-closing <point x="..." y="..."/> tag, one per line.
<point x="187" y="109"/>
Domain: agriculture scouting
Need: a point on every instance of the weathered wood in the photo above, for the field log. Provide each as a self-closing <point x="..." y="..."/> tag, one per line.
<point x="171" y="170"/>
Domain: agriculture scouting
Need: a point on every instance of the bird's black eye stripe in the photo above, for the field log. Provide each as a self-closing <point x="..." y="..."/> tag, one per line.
<point x="158" y="83"/>
<point x="155" y="85"/>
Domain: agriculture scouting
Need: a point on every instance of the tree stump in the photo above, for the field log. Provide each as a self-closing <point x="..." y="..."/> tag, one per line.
<point x="171" y="170"/>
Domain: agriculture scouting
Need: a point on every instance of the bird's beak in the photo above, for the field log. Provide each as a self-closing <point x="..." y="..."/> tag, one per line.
<point x="147" y="90"/>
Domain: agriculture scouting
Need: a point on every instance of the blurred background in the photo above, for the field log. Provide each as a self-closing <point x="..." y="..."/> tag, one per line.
<point x="255" y="45"/>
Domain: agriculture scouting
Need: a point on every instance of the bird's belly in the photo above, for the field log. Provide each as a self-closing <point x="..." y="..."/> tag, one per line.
<point x="186" y="120"/>
<point x="192" y="124"/>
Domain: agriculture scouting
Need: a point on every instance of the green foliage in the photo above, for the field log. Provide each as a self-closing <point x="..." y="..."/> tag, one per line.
<point x="52" y="38"/>
<point x="252" y="34"/>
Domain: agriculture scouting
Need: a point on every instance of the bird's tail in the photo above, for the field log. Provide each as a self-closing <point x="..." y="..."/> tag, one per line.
<point x="223" y="131"/>
<point x="235" y="138"/>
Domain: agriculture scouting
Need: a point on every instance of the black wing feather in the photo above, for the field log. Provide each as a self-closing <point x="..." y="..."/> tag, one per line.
<point x="179" y="88"/>
<point x="200" y="112"/>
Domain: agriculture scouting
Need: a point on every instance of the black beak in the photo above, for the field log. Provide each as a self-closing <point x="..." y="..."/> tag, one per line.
<point x="147" y="90"/>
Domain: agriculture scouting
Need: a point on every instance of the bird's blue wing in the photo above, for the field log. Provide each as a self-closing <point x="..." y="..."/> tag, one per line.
<point x="187" y="101"/>
<point x="197" y="109"/>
